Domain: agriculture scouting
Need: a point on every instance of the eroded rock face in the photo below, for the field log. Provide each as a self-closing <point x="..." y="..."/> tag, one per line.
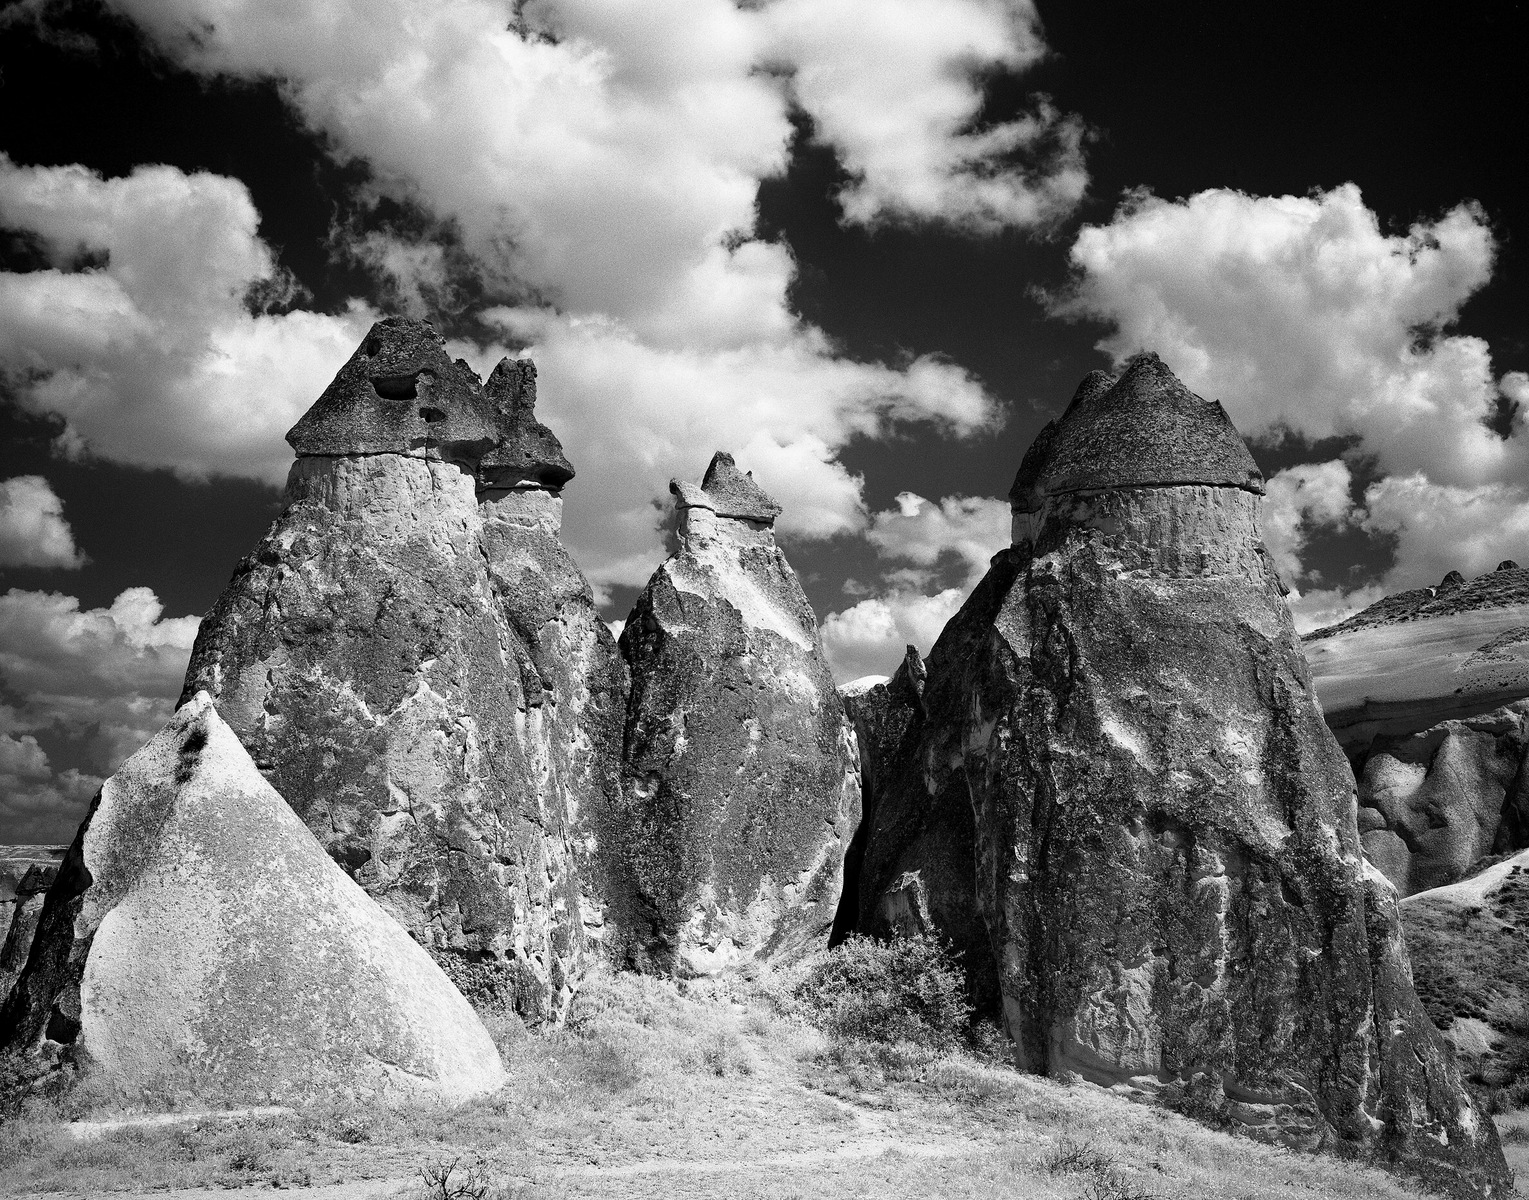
<point x="742" y="778"/>
<point x="1428" y="693"/>
<point x="1469" y="944"/>
<point x="26" y="874"/>
<point x="415" y="662"/>
<point x="199" y="944"/>
<point x="1168" y="857"/>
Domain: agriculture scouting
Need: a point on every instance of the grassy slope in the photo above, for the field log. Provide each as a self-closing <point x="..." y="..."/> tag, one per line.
<point x="653" y="1094"/>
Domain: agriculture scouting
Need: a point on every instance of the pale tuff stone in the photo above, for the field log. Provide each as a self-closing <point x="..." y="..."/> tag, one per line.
<point x="416" y="664"/>
<point x="1167" y="855"/>
<point x="742" y="783"/>
<point x="1428" y="693"/>
<point x="200" y="945"/>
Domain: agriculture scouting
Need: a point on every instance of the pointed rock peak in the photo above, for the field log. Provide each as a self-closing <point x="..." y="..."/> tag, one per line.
<point x="398" y="394"/>
<point x="728" y="491"/>
<point x="1507" y="564"/>
<point x="1450" y="582"/>
<point x="1144" y="429"/>
<point x="910" y="675"/>
<point x="528" y="453"/>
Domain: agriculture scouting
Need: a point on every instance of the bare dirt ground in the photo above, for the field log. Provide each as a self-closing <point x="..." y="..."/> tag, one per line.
<point x="652" y="1094"/>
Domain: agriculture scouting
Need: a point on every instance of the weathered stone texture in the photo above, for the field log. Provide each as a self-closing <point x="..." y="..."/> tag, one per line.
<point x="200" y="945"/>
<point x="1428" y="693"/>
<point x="415" y="662"/>
<point x="26" y="874"/>
<point x="1469" y="945"/>
<point x="1168" y="857"/>
<point x="742" y="781"/>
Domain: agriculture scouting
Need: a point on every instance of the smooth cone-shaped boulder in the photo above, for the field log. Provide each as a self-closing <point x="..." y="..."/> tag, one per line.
<point x="742" y="781"/>
<point x="1168" y="858"/>
<point x="199" y="944"/>
<point x="414" y="661"/>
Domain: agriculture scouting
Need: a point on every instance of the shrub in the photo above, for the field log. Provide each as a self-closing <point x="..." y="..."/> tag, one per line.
<point x="906" y="990"/>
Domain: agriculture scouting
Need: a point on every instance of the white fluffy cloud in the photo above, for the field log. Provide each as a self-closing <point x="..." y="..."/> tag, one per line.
<point x="923" y="536"/>
<point x="137" y="333"/>
<point x="889" y="85"/>
<point x="871" y="637"/>
<point x="599" y="164"/>
<point x="105" y="679"/>
<point x="1444" y="527"/>
<point x="1302" y="498"/>
<point x="1303" y="314"/>
<point x="33" y="532"/>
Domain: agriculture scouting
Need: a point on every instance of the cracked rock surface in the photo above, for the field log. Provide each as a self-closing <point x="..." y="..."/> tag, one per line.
<point x="1167" y="853"/>
<point x="742" y="780"/>
<point x="415" y="662"/>
<point x="199" y="944"/>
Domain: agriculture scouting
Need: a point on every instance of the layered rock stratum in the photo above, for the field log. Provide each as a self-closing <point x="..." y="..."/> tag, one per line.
<point x="200" y="945"/>
<point x="416" y="664"/>
<point x="1428" y="693"/>
<point x="1168" y="855"/>
<point x="742" y="777"/>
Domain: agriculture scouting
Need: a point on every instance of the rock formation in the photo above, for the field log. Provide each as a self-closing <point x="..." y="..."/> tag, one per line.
<point x="915" y="866"/>
<point x="1469" y="945"/>
<point x="1168" y="859"/>
<point x="26" y="874"/>
<point x="1428" y="693"/>
<point x="416" y="664"/>
<point x="199" y="944"/>
<point x="742" y="785"/>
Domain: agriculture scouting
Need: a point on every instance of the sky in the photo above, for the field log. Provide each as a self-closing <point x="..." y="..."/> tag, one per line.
<point x="869" y="246"/>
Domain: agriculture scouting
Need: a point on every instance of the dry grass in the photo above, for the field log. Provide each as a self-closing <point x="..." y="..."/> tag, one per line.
<point x="653" y="1093"/>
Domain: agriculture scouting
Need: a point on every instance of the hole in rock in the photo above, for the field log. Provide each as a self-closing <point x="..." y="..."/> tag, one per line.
<point x="432" y="414"/>
<point x="371" y="348"/>
<point x="396" y="387"/>
<point x="62" y="1028"/>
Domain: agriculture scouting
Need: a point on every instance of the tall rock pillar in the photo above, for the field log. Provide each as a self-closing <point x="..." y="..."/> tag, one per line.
<point x="390" y="662"/>
<point x="742" y="778"/>
<point x="1168" y="858"/>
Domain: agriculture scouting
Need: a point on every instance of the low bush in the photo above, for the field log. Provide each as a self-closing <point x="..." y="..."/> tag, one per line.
<point x="908" y="990"/>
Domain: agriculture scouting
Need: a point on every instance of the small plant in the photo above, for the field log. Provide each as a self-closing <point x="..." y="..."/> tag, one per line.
<point x="1070" y="1157"/>
<point x="1101" y="1175"/>
<point x="908" y="990"/>
<point x="457" y="1179"/>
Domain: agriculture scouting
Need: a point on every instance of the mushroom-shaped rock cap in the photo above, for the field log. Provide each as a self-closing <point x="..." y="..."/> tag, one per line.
<point x="528" y="453"/>
<point x="727" y="490"/>
<point x="1144" y="429"/>
<point x="398" y="394"/>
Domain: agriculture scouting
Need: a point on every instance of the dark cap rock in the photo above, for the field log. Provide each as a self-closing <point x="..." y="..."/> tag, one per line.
<point x="1144" y="429"/>
<point x="1507" y="564"/>
<point x="728" y="491"/>
<point x="398" y="394"/>
<point x="527" y="453"/>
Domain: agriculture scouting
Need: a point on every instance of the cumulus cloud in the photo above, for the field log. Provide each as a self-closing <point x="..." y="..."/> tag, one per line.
<point x="33" y="532"/>
<point x="1299" y="500"/>
<point x="596" y="167"/>
<point x="925" y="538"/>
<point x="891" y="85"/>
<point x="103" y="680"/>
<point x="871" y="637"/>
<point x="1301" y="314"/>
<point x="138" y="334"/>
<point x="1445" y="527"/>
